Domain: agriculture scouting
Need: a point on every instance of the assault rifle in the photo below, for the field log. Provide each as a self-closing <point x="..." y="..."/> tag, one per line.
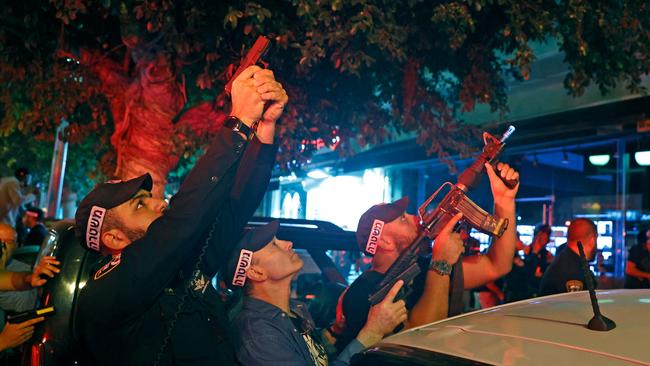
<point x="253" y="56"/>
<point x="432" y="221"/>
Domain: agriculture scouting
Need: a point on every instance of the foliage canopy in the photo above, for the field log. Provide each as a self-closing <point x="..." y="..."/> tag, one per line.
<point x="356" y="70"/>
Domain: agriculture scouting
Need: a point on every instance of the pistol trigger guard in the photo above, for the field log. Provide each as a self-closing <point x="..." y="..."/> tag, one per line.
<point x="403" y="293"/>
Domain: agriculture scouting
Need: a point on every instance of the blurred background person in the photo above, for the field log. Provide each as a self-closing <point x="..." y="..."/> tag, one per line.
<point x="516" y="286"/>
<point x="637" y="269"/>
<point x="491" y="294"/>
<point x="33" y="220"/>
<point x="13" y="194"/>
<point x="17" y="279"/>
<point x="537" y="258"/>
<point x="18" y="293"/>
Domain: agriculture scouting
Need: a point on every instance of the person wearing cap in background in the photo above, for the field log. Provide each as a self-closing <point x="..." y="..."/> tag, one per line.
<point x="565" y="274"/>
<point x="275" y="330"/>
<point x="33" y="220"/>
<point x="537" y="258"/>
<point x="386" y="230"/>
<point x="152" y="301"/>
<point x="13" y="195"/>
<point x="17" y="279"/>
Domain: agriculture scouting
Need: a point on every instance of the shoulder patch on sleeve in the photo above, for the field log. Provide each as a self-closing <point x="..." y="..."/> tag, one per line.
<point x="574" y="285"/>
<point x="108" y="267"/>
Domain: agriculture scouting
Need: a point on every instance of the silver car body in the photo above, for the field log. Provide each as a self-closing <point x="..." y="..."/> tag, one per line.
<point x="543" y="331"/>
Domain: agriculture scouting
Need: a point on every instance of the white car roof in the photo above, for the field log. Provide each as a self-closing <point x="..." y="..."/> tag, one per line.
<point x="548" y="330"/>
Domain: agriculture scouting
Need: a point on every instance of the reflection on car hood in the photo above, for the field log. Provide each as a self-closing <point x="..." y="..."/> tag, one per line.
<point x="549" y="330"/>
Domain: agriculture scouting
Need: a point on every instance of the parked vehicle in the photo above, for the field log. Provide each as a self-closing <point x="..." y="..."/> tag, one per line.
<point x="546" y="331"/>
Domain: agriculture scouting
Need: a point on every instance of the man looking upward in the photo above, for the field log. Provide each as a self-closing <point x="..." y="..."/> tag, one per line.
<point x="152" y="302"/>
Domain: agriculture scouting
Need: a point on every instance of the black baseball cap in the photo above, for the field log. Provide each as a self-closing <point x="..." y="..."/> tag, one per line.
<point x="35" y="212"/>
<point x="241" y="256"/>
<point x="371" y="223"/>
<point x="92" y="209"/>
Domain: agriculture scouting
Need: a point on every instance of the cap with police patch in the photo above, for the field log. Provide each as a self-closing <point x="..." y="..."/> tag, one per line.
<point x="92" y="209"/>
<point x="242" y="255"/>
<point x="371" y="223"/>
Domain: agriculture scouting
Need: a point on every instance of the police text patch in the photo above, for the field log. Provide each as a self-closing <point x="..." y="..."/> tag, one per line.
<point x="574" y="285"/>
<point x="245" y="258"/>
<point x="375" y="234"/>
<point x="94" y="227"/>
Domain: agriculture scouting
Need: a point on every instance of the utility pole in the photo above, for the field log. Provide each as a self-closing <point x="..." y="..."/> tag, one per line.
<point x="57" y="171"/>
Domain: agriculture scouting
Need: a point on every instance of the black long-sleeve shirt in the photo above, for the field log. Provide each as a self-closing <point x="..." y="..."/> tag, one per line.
<point x="125" y="314"/>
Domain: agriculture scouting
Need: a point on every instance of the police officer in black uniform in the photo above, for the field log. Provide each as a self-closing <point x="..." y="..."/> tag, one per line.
<point x="565" y="273"/>
<point x="152" y="302"/>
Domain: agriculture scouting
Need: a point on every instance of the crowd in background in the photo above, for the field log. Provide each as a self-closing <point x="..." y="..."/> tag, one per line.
<point x="531" y="264"/>
<point x="21" y="226"/>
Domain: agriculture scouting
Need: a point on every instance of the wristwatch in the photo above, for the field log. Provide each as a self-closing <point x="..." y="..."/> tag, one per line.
<point x="441" y="267"/>
<point x="238" y="125"/>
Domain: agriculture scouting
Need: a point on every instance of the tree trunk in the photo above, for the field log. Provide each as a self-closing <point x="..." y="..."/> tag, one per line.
<point x="143" y="133"/>
<point x="143" y="108"/>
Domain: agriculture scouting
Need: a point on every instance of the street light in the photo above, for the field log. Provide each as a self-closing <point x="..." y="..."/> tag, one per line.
<point x="599" y="160"/>
<point x="642" y="158"/>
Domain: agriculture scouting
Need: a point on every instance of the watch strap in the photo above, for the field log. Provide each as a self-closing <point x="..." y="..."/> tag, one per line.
<point x="238" y="125"/>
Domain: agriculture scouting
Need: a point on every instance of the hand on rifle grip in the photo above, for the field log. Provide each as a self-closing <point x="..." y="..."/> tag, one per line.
<point x="510" y="177"/>
<point x="510" y="183"/>
<point x="448" y="245"/>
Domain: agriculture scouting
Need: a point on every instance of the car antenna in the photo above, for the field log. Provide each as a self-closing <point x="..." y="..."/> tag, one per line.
<point x="599" y="322"/>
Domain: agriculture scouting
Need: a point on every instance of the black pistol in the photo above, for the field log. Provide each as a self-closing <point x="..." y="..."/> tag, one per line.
<point x="253" y="56"/>
<point x="24" y="316"/>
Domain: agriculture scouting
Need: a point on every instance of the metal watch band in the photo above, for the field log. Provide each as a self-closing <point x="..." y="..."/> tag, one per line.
<point x="441" y="267"/>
